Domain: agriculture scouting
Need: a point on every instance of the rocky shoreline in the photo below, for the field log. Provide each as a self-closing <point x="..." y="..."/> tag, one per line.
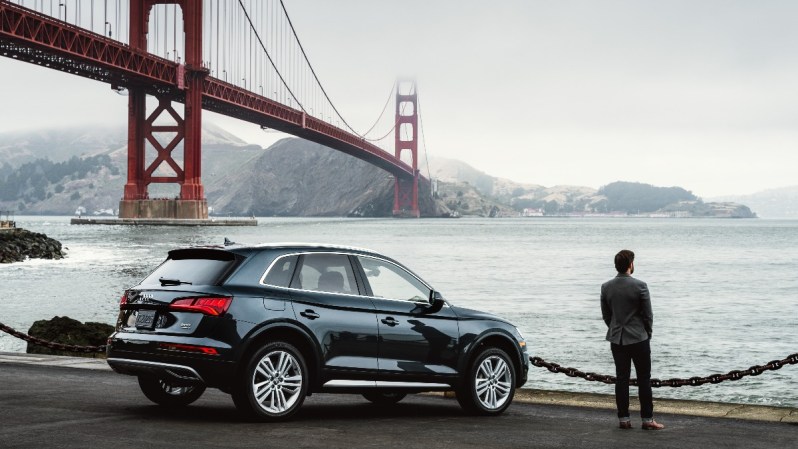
<point x="18" y="244"/>
<point x="68" y="331"/>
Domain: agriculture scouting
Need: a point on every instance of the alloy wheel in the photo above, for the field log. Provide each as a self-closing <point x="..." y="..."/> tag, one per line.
<point x="277" y="382"/>
<point x="493" y="382"/>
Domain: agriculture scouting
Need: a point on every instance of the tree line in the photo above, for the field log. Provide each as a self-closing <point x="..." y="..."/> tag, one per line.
<point x="635" y="197"/>
<point x="37" y="180"/>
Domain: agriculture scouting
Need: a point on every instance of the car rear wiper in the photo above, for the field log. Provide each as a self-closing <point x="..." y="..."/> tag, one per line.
<point x="167" y="281"/>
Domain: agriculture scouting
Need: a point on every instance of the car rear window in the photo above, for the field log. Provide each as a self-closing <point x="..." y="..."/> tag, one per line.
<point x="192" y="267"/>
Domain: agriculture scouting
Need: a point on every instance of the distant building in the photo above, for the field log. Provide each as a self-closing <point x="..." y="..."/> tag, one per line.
<point x="529" y="212"/>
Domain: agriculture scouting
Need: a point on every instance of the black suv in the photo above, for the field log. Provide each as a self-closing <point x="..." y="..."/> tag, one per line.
<point x="271" y="324"/>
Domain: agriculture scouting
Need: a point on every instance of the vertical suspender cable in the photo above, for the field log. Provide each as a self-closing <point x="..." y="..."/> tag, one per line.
<point x="271" y="61"/>
<point x="313" y="71"/>
<point x="218" y="37"/>
<point x="250" y="65"/>
<point x="174" y="33"/>
<point x="165" y="30"/>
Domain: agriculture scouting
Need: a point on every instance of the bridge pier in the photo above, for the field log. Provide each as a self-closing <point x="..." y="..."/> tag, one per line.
<point x="166" y="208"/>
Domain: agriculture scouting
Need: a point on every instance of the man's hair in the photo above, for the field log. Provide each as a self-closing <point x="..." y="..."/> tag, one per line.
<point x="623" y="260"/>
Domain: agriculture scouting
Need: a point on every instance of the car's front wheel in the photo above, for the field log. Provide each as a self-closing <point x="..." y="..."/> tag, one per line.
<point x="489" y="385"/>
<point x="162" y="392"/>
<point x="274" y="383"/>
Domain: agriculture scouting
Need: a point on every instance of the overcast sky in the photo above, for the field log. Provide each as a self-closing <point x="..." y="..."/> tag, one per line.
<point x="700" y="94"/>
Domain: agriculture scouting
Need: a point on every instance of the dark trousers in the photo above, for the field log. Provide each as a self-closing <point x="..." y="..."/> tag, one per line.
<point x="640" y="354"/>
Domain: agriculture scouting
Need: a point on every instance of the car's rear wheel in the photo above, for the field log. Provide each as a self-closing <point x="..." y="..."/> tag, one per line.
<point x="384" y="398"/>
<point x="274" y="383"/>
<point x="162" y="392"/>
<point x="489" y="385"/>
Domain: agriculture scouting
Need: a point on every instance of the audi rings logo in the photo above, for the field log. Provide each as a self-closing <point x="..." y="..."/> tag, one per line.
<point x="145" y="298"/>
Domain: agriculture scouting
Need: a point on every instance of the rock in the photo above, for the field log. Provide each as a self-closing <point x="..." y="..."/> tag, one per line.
<point x="19" y="244"/>
<point x="67" y="331"/>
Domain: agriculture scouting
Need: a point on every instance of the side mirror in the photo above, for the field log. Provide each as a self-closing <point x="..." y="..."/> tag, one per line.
<point x="436" y="301"/>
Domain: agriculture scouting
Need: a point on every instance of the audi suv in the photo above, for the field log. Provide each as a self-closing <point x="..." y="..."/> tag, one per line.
<point x="271" y="324"/>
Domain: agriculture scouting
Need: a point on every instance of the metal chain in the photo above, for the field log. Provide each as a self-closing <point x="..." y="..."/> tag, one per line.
<point x="674" y="382"/>
<point x="51" y="344"/>
<point x="536" y="361"/>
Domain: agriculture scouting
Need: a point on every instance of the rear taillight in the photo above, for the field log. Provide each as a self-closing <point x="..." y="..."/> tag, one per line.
<point x="208" y="305"/>
<point x="123" y="301"/>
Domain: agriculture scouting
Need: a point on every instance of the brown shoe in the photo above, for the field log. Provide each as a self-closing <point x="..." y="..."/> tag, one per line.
<point x="625" y="424"/>
<point x="652" y="425"/>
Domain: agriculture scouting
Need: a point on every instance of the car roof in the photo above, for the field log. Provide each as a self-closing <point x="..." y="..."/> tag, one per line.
<point x="300" y="246"/>
<point x="246" y="249"/>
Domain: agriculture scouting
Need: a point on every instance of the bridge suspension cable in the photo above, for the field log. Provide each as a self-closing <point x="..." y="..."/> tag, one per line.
<point x="384" y="108"/>
<point x="251" y="44"/>
<point x="312" y="71"/>
<point x="271" y="61"/>
<point x="423" y="138"/>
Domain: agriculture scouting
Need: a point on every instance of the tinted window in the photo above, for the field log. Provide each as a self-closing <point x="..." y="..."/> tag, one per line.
<point x="388" y="280"/>
<point x="281" y="271"/>
<point x="331" y="273"/>
<point x="191" y="271"/>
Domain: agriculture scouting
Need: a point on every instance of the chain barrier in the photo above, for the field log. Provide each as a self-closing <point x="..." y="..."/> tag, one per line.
<point x="674" y="382"/>
<point x="51" y="344"/>
<point x="536" y="361"/>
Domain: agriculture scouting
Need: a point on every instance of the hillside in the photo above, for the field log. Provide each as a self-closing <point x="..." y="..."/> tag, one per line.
<point x="294" y="177"/>
<point x="615" y="199"/>
<point x="101" y="189"/>
<point x="772" y="203"/>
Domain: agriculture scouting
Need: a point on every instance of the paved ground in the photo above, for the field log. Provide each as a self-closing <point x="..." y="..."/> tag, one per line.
<point x="48" y="405"/>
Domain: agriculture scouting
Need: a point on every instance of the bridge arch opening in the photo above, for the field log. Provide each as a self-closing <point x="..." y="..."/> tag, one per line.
<point x="164" y="38"/>
<point x="407" y="109"/>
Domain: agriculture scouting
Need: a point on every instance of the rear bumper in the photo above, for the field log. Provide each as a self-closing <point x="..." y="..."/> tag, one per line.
<point x="144" y="355"/>
<point x="166" y="371"/>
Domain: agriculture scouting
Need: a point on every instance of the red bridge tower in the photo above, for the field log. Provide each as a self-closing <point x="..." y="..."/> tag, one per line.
<point x="405" y="203"/>
<point x="191" y="203"/>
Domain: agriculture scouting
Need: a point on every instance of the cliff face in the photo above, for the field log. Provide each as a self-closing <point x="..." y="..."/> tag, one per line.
<point x="300" y="178"/>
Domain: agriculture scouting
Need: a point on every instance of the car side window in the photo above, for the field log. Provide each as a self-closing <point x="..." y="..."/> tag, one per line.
<point x="330" y="273"/>
<point x="388" y="280"/>
<point x="281" y="271"/>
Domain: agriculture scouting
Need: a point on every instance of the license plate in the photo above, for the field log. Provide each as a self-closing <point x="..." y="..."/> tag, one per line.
<point x="145" y="319"/>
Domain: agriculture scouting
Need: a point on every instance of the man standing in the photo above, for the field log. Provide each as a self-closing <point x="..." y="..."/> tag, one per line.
<point x="626" y="308"/>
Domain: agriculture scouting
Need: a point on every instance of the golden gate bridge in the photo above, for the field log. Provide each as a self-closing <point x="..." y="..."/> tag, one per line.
<point x="239" y="58"/>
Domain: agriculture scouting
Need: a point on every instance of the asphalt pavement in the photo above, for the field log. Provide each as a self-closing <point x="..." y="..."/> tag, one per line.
<point x="65" y="405"/>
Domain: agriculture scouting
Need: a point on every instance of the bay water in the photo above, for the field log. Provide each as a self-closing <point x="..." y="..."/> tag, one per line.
<point x="724" y="292"/>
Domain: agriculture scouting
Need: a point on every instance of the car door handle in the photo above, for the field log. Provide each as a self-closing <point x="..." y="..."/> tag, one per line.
<point x="390" y="321"/>
<point x="309" y="314"/>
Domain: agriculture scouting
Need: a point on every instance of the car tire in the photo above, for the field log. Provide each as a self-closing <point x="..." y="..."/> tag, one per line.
<point x="383" y="398"/>
<point x="164" y="393"/>
<point x="489" y="386"/>
<point x="274" y="383"/>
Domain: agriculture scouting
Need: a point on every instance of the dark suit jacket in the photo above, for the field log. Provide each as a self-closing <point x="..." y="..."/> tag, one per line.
<point x="626" y="308"/>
